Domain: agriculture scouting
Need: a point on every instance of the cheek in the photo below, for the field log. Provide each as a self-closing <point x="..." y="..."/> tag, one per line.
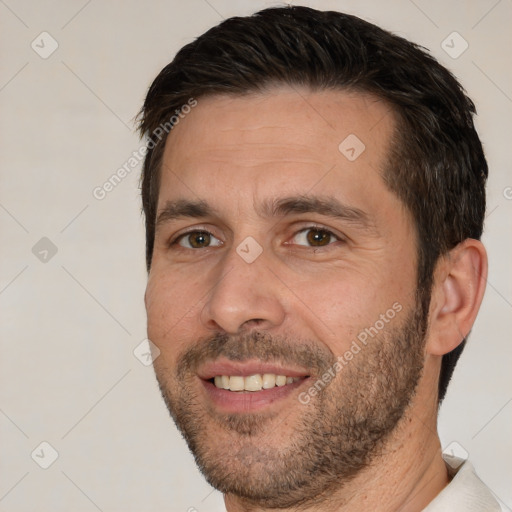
<point x="328" y="307"/>
<point x="173" y="307"/>
<point x="343" y="305"/>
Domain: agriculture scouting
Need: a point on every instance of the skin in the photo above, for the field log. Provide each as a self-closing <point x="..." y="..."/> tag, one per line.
<point x="235" y="153"/>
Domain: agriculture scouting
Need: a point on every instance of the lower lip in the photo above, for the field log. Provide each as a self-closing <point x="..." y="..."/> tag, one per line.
<point x="248" y="401"/>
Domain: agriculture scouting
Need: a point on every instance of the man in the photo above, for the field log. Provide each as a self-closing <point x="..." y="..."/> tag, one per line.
<point x="314" y="192"/>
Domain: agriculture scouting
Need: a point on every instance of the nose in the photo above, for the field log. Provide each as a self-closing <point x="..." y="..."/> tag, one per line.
<point x="245" y="296"/>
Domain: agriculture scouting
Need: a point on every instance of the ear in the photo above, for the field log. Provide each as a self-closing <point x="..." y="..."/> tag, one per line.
<point x="457" y="292"/>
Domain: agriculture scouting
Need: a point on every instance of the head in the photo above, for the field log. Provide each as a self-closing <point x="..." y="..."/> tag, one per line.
<point x="295" y="84"/>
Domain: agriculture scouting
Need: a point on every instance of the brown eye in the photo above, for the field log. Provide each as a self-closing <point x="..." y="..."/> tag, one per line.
<point x="198" y="240"/>
<point x="315" y="237"/>
<point x="318" y="237"/>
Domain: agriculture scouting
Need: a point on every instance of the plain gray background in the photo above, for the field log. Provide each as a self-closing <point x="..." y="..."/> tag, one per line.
<point x="71" y="319"/>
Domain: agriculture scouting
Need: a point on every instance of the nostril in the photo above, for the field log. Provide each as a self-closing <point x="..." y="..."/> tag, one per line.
<point x="253" y="322"/>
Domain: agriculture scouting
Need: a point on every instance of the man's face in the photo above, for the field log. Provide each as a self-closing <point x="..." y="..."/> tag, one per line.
<point x="281" y="257"/>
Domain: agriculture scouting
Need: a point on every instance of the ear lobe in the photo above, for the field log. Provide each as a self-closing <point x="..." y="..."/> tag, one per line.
<point x="457" y="292"/>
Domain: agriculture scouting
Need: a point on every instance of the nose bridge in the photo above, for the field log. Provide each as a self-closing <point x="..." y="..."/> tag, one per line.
<point x="244" y="293"/>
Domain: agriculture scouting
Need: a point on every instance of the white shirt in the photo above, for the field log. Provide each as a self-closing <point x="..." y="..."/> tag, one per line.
<point x="465" y="493"/>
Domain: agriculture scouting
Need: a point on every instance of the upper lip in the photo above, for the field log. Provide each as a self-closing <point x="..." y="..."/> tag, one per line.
<point x="246" y="368"/>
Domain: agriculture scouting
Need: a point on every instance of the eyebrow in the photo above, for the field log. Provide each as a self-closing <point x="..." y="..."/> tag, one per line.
<point x="182" y="209"/>
<point x="326" y="205"/>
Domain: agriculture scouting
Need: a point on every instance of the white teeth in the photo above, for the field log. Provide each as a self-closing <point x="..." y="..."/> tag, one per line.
<point x="236" y="383"/>
<point x="269" y="380"/>
<point x="280" y="380"/>
<point x="255" y="382"/>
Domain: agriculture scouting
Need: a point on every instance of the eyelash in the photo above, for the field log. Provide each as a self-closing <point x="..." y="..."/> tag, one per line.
<point x="175" y="241"/>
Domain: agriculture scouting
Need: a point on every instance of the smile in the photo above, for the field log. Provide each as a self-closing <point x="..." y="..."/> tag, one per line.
<point x="249" y="386"/>
<point x="255" y="382"/>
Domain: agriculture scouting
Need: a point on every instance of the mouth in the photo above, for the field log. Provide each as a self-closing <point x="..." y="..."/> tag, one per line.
<point x="233" y="386"/>
<point x="252" y="383"/>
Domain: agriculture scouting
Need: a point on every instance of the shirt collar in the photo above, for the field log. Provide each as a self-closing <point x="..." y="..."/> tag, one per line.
<point x="465" y="493"/>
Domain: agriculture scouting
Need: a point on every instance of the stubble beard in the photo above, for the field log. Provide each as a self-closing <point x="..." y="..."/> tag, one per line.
<point x="323" y="444"/>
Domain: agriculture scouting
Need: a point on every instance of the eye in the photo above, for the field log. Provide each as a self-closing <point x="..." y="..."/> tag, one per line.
<point x="197" y="240"/>
<point x="315" y="237"/>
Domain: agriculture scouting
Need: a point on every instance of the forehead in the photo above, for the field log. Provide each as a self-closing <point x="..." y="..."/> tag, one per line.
<point x="284" y="115"/>
<point x="285" y="139"/>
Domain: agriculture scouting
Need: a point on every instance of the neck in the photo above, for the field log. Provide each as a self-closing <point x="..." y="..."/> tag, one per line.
<point x="408" y="473"/>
